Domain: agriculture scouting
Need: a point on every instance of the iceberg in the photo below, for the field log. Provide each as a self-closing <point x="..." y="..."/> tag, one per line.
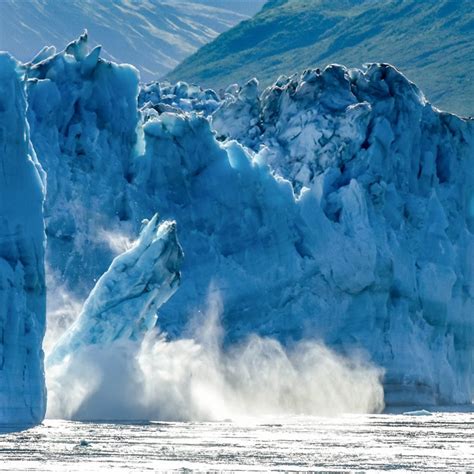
<point x="22" y="275"/>
<point x="417" y="413"/>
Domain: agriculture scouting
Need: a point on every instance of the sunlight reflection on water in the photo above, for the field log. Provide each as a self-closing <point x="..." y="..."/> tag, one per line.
<point x="441" y="442"/>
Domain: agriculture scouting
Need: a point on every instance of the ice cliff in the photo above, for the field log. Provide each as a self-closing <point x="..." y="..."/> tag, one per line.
<point x="394" y="180"/>
<point x="22" y="276"/>
<point x="335" y="205"/>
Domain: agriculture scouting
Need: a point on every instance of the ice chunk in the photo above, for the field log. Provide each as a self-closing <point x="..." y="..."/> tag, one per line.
<point x="124" y="302"/>
<point x="238" y="115"/>
<point x="418" y="413"/>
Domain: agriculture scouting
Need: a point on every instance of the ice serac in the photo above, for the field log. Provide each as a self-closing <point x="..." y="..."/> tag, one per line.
<point x="124" y="302"/>
<point x="22" y="277"/>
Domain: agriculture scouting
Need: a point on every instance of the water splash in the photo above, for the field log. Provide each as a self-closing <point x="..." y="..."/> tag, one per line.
<point x="196" y="378"/>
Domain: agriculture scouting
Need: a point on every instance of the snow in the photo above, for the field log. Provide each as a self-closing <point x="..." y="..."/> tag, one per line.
<point x="22" y="278"/>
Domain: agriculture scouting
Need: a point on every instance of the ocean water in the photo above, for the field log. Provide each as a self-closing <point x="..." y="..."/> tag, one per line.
<point x="440" y="442"/>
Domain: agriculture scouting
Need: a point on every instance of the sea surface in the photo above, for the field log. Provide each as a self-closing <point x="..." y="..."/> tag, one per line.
<point x="437" y="442"/>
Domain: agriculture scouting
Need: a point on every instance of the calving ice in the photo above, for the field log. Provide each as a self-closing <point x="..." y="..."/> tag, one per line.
<point x="334" y="209"/>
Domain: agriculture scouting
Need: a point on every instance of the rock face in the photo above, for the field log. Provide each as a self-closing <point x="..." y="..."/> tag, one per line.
<point x="22" y="277"/>
<point x="335" y="205"/>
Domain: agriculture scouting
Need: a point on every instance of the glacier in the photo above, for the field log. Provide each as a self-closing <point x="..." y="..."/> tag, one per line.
<point x="335" y="205"/>
<point x="394" y="179"/>
<point x="22" y="273"/>
<point x="380" y="214"/>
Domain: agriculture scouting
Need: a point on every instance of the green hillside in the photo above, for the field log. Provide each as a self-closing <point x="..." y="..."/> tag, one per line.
<point x="431" y="41"/>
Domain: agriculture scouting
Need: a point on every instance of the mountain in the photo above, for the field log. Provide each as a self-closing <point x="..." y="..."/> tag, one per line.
<point x="431" y="42"/>
<point x="154" y="35"/>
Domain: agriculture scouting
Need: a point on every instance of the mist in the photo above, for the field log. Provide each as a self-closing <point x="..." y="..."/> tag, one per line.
<point x="62" y="309"/>
<point x="197" y="378"/>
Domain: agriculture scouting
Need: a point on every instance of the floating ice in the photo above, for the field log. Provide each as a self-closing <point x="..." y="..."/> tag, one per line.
<point x="418" y="413"/>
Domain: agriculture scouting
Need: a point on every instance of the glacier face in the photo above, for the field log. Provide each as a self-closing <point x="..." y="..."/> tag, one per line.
<point x="394" y="178"/>
<point x="379" y="249"/>
<point x="84" y="119"/>
<point x="335" y="205"/>
<point x="22" y="276"/>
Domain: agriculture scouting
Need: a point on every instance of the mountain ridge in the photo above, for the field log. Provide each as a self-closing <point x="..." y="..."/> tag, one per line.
<point x="154" y="35"/>
<point x="431" y="43"/>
